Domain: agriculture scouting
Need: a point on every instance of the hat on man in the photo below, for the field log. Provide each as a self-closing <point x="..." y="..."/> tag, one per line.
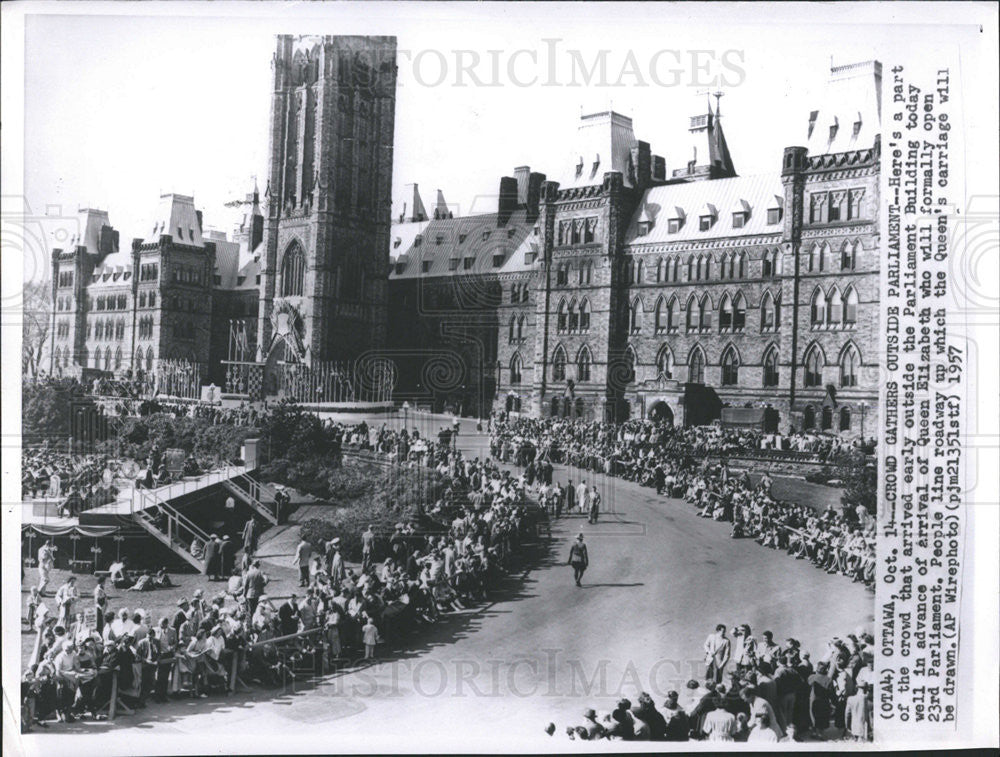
<point x="336" y="541"/>
<point x="181" y="602"/>
<point x="199" y="592"/>
<point x="579" y="537"/>
<point x="589" y="713"/>
<point x="225" y="538"/>
<point x="215" y="536"/>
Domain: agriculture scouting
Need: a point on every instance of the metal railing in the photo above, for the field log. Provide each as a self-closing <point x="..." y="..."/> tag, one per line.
<point x="179" y="533"/>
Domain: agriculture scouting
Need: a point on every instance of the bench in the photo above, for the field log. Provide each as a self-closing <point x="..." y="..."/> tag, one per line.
<point x="80" y="566"/>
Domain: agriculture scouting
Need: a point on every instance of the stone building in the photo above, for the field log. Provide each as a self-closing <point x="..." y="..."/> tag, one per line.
<point x="164" y="304"/>
<point x="326" y="235"/>
<point x="694" y="294"/>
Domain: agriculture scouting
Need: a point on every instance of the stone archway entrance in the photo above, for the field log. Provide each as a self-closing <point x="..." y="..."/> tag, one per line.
<point x="661" y="412"/>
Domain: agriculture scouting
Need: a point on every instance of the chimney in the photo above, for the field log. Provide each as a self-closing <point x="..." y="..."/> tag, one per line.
<point x="641" y="165"/>
<point x="535" y="181"/>
<point x="507" y="201"/>
<point x="659" y="168"/>
<point x="522" y="173"/>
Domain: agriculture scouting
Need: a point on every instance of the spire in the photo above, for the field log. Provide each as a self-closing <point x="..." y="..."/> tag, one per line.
<point x="418" y="213"/>
<point x="706" y="128"/>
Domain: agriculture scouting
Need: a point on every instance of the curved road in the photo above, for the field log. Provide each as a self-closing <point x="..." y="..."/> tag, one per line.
<point x="660" y="578"/>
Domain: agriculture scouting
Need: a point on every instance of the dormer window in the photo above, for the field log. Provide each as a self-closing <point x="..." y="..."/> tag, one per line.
<point x="453" y="264"/>
<point x="180" y="234"/>
<point x="833" y="129"/>
<point x="579" y="168"/>
<point x="425" y="266"/>
<point x="396" y="242"/>
<point x="439" y="239"/>
<point x="705" y="223"/>
<point x="534" y="231"/>
<point x="418" y="240"/>
<point x="510" y="233"/>
<point x="773" y="216"/>
<point x="400" y="267"/>
<point x="461" y="238"/>
<point x="644" y="227"/>
<point x="673" y="225"/>
<point x="812" y="122"/>
<point x="740" y="219"/>
<point x="467" y="263"/>
<point x="497" y="260"/>
<point x="486" y="235"/>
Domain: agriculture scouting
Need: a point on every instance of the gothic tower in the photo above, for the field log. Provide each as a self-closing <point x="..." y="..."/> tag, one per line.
<point x="326" y="239"/>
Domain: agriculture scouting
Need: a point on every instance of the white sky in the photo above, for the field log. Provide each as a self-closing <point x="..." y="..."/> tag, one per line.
<point x="119" y="109"/>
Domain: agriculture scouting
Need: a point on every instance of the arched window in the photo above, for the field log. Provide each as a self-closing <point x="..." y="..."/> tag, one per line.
<point x="732" y="265"/>
<point x="138" y="359"/>
<point x="672" y="315"/>
<point x="639" y="272"/>
<point x="515" y="294"/>
<point x="725" y="314"/>
<point x="817" y="310"/>
<point x="520" y="328"/>
<point x="574" y="316"/>
<point x="293" y="269"/>
<point x="742" y="273"/>
<point x="851" y="307"/>
<point x="766" y="266"/>
<point x="629" y="365"/>
<point x="515" y="369"/>
<point x="834" y="308"/>
<point x="583" y="365"/>
<point x="56" y="357"/>
<point x="705" y="313"/>
<point x="636" y="320"/>
<point x="814" y="255"/>
<point x="584" y="315"/>
<point x="696" y="367"/>
<point x="827" y="418"/>
<point x="771" y="367"/>
<point x="850" y="362"/>
<point x="690" y="268"/>
<point x="808" y="418"/>
<point x="561" y="317"/>
<point x="692" y="314"/>
<point x="814" y="367"/>
<point x="559" y="364"/>
<point x="730" y="367"/>
<point x="847" y="257"/>
<point x="824" y="255"/>
<point x="118" y="359"/>
<point x="660" y="323"/>
<point x="845" y="419"/>
<point x="107" y="358"/>
<point x="665" y="363"/>
<point x="767" y="319"/>
<point x="511" y="330"/>
<point x="739" y="312"/>
<point x="149" y="358"/>
<point x="659" y="270"/>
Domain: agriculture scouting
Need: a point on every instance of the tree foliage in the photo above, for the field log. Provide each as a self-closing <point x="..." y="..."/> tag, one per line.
<point x="36" y="324"/>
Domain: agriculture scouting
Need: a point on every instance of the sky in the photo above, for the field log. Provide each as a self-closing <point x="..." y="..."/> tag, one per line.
<point x="119" y="109"/>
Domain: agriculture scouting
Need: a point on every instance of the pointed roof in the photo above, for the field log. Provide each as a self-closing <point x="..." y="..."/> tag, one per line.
<point x="711" y="157"/>
<point x="440" y="206"/>
<point x="849" y="116"/>
<point x="417" y="210"/>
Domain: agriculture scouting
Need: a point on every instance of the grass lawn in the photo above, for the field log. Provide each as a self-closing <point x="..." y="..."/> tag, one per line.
<point x="156" y="603"/>
<point x="802" y="492"/>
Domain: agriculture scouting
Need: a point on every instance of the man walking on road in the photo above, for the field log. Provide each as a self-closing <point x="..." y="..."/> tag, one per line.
<point x="717" y="652"/>
<point x="570" y="496"/>
<point x="578" y="558"/>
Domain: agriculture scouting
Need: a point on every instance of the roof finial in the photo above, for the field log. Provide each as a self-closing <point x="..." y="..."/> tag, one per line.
<point x="718" y="96"/>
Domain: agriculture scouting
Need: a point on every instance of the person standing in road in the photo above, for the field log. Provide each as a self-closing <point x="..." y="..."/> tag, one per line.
<point x="367" y="549"/>
<point x="302" y="554"/>
<point x="250" y="534"/>
<point x="578" y="558"/>
<point x="46" y="563"/>
<point x="570" y="496"/>
<point x="717" y="652"/>
<point x="595" y="505"/>
<point x="581" y="497"/>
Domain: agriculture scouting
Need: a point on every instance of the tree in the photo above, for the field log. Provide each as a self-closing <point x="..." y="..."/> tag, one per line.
<point x="36" y="324"/>
<point x="859" y="480"/>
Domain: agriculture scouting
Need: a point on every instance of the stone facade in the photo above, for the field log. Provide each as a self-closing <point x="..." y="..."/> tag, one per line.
<point x="688" y="295"/>
<point x="325" y="262"/>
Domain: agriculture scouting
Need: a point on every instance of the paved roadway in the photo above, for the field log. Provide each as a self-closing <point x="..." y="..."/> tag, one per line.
<point x="543" y="650"/>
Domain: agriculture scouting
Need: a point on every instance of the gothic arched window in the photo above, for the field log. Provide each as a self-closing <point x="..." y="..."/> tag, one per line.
<point x="584" y="315"/>
<point x="559" y="364"/>
<point x="515" y="369"/>
<point x="814" y="367"/>
<point x="850" y="361"/>
<point x="583" y="362"/>
<point x="771" y="367"/>
<point x="293" y="270"/>
<point x="730" y="367"/>
<point x="696" y="367"/>
<point x="665" y="362"/>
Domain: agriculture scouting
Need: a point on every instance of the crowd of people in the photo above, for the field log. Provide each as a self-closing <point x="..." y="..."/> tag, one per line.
<point x="76" y="481"/>
<point x="407" y="578"/>
<point x="678" y="462"/>
<point x="755" y="690"/>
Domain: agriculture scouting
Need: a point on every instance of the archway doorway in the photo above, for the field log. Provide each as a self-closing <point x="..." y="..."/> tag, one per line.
<point x="660" y="412"/>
